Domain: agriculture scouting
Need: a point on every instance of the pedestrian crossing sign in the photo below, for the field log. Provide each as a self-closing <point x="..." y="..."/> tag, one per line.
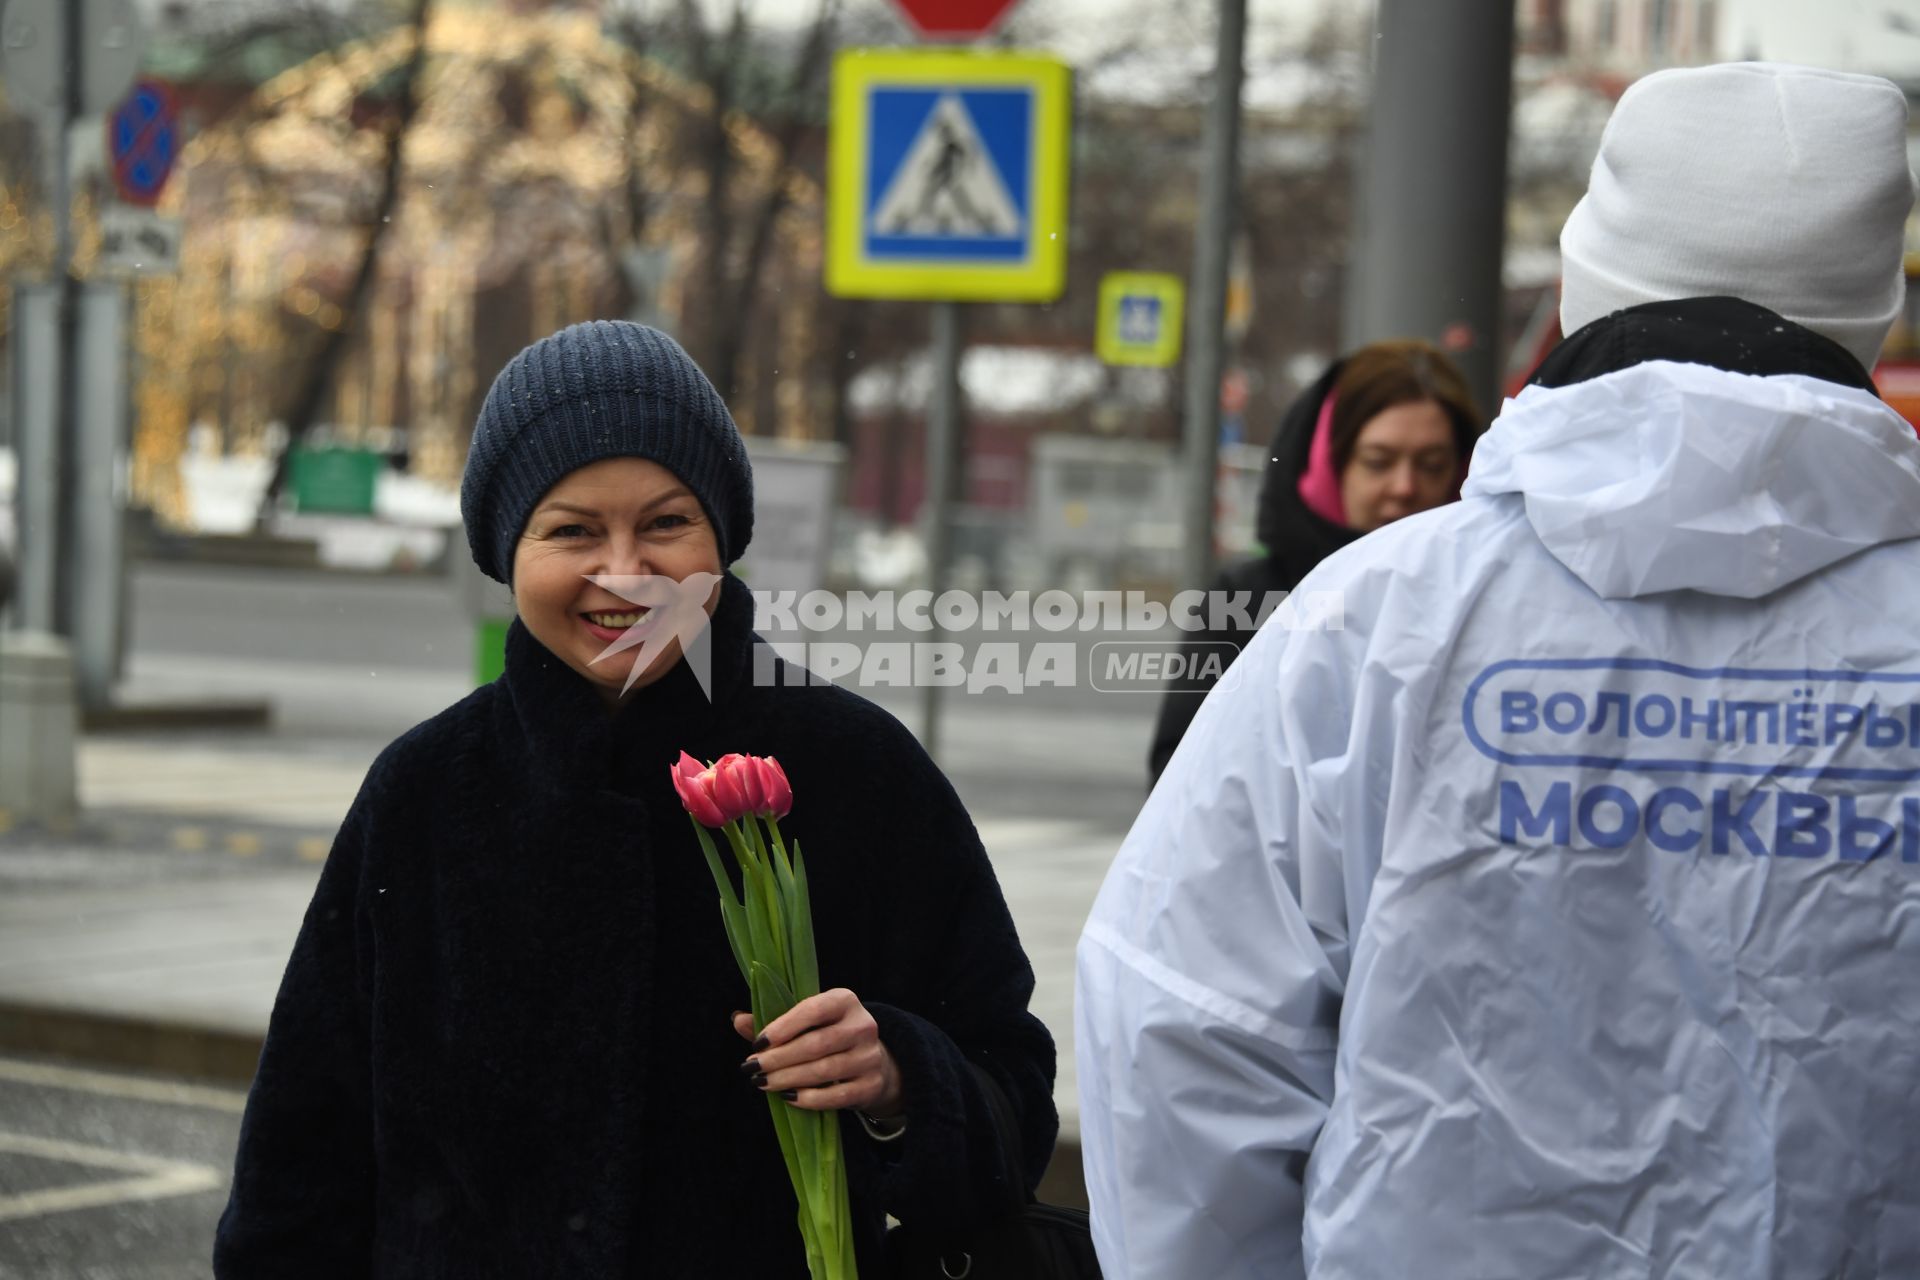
<point x="1140" y="318"/>
<point x="947" y="175"/>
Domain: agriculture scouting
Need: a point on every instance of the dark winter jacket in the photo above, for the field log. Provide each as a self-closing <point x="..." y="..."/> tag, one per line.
<point x="1295" y="539"/>
<point x="503" y="1047"/>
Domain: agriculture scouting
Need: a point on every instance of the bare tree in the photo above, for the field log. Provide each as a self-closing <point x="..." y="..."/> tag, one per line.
<point x="1137" y="139"/>
<point x="738" y="229"/>
<point x="311" y="391"/>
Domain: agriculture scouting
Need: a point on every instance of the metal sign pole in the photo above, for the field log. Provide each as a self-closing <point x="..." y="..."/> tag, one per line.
<point x="36" y="405"/>
<point x="70" y="61"/>
<point x="65" y="607"/>
<point x="98" y="540"/>
<point x="39" y="45"/>
<point x="920" y="205"/>
<point x="944" y="453"/>
<point x="1207" y="320"/>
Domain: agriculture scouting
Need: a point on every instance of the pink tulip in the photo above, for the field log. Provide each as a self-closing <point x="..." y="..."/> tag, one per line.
<point x="753" y="779"/>
<point x="731" y="788"/>
<point x="694" y="783"/>
<point x="779" y="794"/>
<point x="730" y="785"/>
<point x="752" y="784"/>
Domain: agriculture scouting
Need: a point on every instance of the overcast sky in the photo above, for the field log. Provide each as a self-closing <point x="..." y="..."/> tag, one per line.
<point x="1849" y="35"/>
<point x="1853" y="35"/>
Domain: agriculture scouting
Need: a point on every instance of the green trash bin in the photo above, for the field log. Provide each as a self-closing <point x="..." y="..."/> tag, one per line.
<point x="488" y="605"/>
<point x="334" y="481"/>
<point x="490" y="651"/>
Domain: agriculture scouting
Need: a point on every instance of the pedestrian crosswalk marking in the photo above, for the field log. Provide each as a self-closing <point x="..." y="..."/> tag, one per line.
<point x="1140" y="320"/>
<point x="155" y="1179"/>
<point x="112" y="1084"/>
<point x="948" y="184"/>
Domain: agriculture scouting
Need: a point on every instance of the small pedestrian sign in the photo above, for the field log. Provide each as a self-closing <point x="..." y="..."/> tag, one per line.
<point x="947" y="176"/>
<point x="1140" y="318"/>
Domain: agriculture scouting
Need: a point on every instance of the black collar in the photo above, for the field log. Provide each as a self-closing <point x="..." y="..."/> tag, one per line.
<point x="1726" y="333"/>
<point x="572" y="734"/>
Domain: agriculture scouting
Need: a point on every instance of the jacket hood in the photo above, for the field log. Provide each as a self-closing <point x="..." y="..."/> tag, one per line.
<point x="1294" y="537"/>
<point x="1667" y="476"/>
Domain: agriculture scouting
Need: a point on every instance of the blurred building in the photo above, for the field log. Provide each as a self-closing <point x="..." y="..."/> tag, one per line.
<point x="547" y="176"/>
<point x="564" y="162"/>
<point x="1621" y="37"/>
<point x="1575" y="59"/>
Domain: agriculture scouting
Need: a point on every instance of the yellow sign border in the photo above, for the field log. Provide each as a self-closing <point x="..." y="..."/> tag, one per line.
<point x="1172" y="292"/>
<point x="850" y="273"/>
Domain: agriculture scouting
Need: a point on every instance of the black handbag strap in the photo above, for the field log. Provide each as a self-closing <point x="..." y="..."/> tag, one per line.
<point x="1059" y="1242"/>
<point x="1029" y="1241"/>
<point x="1013" y="1165"/>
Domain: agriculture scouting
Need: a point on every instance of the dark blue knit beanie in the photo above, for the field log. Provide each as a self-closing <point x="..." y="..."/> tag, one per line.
<point x="603" y="389"/>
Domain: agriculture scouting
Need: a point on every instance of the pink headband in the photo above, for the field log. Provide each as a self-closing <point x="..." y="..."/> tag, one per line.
<point x="1320" y="483"/>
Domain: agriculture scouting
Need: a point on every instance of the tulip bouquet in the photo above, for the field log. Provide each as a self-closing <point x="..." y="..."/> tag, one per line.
<point x="770" y="928"/>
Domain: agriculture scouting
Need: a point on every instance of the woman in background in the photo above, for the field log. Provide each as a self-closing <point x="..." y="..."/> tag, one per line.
<point x="1384" y="433"/>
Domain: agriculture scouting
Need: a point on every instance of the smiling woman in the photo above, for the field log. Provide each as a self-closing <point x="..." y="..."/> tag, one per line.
<point x="619" y="524"/>
<point x="507" y="1042"/>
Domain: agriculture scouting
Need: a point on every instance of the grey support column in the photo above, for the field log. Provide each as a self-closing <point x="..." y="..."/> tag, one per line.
<point x="1433" y="196"/>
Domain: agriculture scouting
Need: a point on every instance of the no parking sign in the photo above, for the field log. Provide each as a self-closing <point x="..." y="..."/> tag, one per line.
<point x="143" y="137"/>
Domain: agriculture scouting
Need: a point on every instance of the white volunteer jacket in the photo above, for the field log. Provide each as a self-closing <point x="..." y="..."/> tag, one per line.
<point x="1559" y="916"/>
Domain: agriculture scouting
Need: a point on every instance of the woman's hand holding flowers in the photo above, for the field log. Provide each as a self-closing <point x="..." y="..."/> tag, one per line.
<point x="825" y="1054"/>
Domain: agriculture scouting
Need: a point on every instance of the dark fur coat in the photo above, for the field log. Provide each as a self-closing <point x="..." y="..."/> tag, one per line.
<point x="502" y="1046"/>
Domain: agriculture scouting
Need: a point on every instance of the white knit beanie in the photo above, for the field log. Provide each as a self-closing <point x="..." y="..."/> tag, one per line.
<point x="1784" y="186"/>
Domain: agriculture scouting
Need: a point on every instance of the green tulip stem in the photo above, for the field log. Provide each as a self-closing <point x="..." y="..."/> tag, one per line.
<point x="732" y="912"/>
<point x="763" y="895"/>
<point x="770" y="931"/>
<point x="806" y="961"/>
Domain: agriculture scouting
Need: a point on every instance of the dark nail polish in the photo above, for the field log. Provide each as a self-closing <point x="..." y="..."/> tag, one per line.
<point x="760" y="1082"/>
<point x="762" y="1045"/>
<point x="791" y="1095"/>
<point x="751" y="1067"/>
